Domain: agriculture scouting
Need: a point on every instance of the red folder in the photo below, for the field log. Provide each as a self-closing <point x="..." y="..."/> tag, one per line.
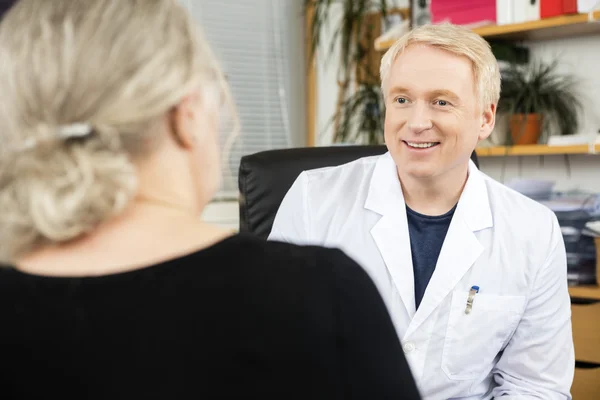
<point x="554" y="8"/>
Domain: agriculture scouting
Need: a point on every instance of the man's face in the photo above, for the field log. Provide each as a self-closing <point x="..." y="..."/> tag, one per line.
<point x="433" y="118"/>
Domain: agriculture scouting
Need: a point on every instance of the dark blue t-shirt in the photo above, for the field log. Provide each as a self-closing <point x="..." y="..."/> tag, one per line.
<point x="427" y="234"/>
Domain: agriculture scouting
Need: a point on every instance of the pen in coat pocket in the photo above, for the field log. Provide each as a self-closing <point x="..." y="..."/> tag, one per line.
<point x="474" y="290"/>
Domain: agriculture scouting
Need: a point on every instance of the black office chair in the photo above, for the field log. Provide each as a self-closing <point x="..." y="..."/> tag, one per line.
<point x="265" y="177"/>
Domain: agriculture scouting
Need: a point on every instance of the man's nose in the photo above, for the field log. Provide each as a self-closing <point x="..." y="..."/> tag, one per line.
<point x="420" y="118"/>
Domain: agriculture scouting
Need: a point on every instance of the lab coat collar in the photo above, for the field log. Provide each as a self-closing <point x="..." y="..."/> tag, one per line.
<point x="390" y="233"/>
<point x="474" y="204"/>
<point x="385" y="194"/>
<point x="459" y="251"/>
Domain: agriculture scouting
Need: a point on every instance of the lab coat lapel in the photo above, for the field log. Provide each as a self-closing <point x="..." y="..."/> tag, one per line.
<point x="390" y="233"/>
<point x="461" y="247"/>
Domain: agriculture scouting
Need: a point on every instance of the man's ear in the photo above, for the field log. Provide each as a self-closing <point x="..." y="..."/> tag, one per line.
<point x="488" y="120"/>
<point x="184" y="121"/>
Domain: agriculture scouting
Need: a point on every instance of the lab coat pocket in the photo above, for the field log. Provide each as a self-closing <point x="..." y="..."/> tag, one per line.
<point x="473" y="340"/>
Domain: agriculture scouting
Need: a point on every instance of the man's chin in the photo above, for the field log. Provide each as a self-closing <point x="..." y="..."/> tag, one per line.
<point x="420" y="172"/>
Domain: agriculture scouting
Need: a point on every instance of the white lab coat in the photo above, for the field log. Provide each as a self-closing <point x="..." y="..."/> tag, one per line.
<point x="517" y="340"/>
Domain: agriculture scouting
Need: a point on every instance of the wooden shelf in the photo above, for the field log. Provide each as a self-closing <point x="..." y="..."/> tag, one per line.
<point x="547" y="28"/>
<point x="585" y="292"/>
<point x="536" y="150"/>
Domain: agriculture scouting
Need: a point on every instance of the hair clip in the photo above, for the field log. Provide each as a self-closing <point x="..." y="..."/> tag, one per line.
<point x="63" y="132"/>
<point x="76" y="130"/>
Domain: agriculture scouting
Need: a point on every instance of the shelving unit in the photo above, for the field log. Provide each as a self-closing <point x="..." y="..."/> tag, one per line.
<point x="585" y="292"/>
<point x="548" y="28"/>
<point x="536" y="150"/>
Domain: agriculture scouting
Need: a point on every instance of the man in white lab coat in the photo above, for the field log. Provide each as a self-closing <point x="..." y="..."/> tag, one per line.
<point x="473" y="273"/>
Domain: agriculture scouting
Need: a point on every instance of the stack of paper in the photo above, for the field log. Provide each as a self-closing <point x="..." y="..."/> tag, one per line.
<point x="536" y="189"/>
<point x="588" y="202"/>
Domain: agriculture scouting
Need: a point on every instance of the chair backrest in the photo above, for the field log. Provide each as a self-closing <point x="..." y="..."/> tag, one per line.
<point x="265" y="178"/>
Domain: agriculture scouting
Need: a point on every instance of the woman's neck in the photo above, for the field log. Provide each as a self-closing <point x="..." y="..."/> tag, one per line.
<point x="148" y="233"/>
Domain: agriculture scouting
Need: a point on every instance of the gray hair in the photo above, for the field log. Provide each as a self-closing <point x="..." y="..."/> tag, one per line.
<point x="116" y="67"/>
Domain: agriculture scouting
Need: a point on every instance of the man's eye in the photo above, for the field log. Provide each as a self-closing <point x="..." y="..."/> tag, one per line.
<point x="401" y="100"/>
<point x="442" y="103"/>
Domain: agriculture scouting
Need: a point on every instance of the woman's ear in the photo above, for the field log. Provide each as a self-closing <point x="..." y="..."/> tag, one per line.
<point x="185" y="121"/>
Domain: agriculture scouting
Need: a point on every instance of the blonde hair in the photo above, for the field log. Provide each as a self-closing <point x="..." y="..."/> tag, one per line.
<point x="115" y="66"/>
<point x="456" y="40"/>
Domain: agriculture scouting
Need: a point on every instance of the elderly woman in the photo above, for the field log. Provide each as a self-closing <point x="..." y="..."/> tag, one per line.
<point x="113" y="287"/>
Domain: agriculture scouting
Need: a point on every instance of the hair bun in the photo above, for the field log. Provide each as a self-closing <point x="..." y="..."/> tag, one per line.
<point x="64" y="189"/>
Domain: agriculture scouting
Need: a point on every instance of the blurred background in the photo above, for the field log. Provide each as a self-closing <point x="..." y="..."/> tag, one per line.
<point x="305" y="73"/>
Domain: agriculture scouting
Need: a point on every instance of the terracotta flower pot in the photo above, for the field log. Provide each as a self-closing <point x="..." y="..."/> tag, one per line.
<point x="525" y="128"/>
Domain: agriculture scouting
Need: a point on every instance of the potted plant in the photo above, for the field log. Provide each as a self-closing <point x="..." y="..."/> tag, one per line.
<point x="506" y="53"/>
<point x="537" y="98"/>
<point x="359" y="108"/>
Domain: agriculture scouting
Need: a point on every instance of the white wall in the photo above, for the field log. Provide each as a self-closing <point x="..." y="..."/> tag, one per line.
<point x="580" y="56"/>
<point x="326" y="71"/>
<point x="225" y="214"/>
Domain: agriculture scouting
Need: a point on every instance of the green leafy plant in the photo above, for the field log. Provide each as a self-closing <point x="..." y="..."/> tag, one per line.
<point x="539" y="88"/>
<point x="362" y="116"/>
<point x="509" y="52"/>
<point x="359" y="107"/>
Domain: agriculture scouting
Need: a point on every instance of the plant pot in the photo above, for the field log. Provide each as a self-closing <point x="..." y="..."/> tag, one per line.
<point x="525" y="128"/>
